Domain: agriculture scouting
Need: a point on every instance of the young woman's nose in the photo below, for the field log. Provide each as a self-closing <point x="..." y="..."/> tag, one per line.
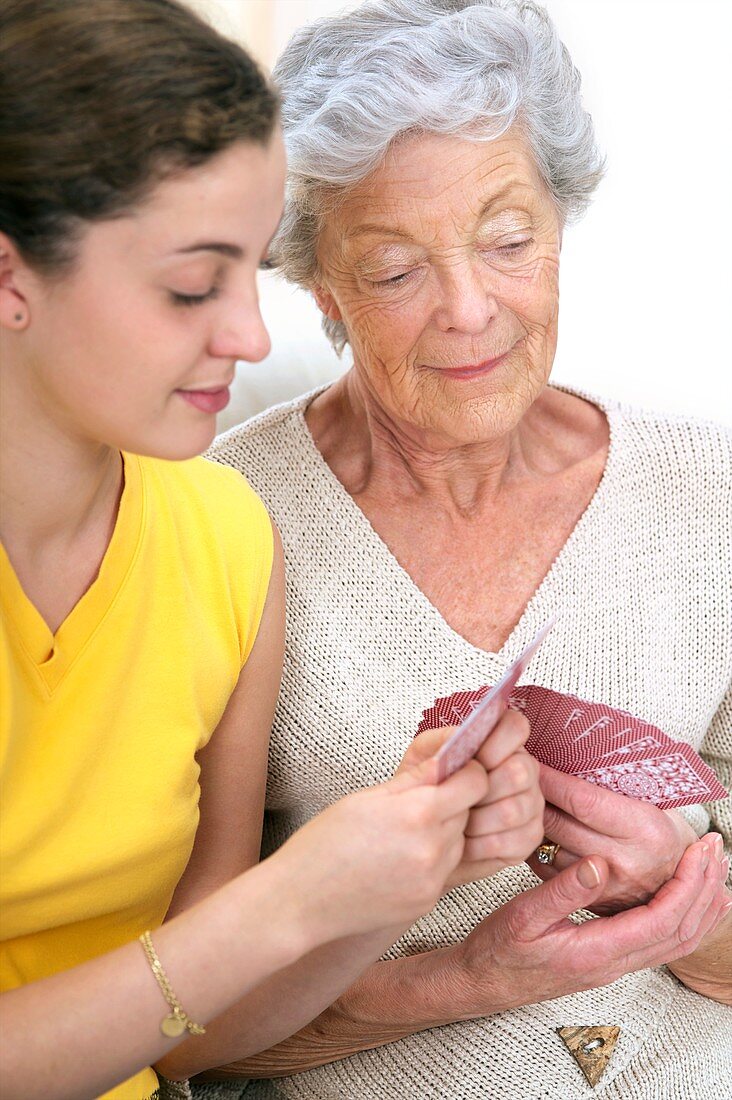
<point x="241" y="334"/>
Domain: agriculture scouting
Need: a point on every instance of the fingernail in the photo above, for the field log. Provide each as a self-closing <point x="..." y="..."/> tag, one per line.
<point x="588" y="874"/>
<point x="705" y="857"/>
<point x="718" y="846"/>
<point x="726" y="907"/>
<point x="724" y="867"/>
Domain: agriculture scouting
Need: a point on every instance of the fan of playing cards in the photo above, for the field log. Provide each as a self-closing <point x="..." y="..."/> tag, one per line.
<point x="590" y="740"/>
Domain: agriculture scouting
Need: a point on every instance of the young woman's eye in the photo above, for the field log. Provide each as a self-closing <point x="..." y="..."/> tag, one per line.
<point x="193" y="299"/>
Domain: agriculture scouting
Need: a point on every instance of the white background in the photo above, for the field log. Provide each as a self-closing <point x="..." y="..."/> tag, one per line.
<point x="646" y="283"/>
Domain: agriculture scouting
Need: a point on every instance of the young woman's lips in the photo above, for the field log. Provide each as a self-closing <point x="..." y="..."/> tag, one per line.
<point x="473" y="370"/>
<point x="208" y="401"/>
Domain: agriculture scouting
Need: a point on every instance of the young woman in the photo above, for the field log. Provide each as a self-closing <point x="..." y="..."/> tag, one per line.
<point x="141" y="179"/>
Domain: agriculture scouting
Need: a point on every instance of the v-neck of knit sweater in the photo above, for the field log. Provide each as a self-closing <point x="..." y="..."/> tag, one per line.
<point x="541" y="604"/>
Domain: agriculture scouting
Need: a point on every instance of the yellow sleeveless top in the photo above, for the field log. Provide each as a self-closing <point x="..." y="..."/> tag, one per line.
<point x="99" y="724"/>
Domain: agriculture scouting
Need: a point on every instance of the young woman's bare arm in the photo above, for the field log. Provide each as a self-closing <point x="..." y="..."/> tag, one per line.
<point x="89" y="1028"/>
<point x="376" y="858"/>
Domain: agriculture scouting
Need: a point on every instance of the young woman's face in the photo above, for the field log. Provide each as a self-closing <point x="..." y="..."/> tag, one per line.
<point x="135" y="347"/>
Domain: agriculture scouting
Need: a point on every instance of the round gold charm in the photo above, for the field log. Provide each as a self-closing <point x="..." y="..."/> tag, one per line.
<point x="173" y="1026"/>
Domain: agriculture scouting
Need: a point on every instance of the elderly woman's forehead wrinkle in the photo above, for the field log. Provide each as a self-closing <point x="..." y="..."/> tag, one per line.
<point x="442" y="198"/>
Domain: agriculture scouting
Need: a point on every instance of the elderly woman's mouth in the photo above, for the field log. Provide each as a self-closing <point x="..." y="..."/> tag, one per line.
<point x="470" y="370"/>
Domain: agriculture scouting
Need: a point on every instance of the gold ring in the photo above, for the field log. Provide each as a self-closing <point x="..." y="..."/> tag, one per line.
<point x="546" y="853"/>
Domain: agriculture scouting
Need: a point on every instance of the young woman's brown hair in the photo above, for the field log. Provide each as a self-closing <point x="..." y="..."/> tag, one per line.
<point x="100" y="99"/>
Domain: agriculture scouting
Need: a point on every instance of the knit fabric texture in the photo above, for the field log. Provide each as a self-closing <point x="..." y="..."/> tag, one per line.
<point x="644" y="588"/>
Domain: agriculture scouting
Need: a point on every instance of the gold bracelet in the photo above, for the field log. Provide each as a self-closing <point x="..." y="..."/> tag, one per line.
<point x="177" y="1021"/>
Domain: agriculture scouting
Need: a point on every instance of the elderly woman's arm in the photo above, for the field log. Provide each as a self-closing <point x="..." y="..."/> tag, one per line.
<point x="525" y="952"/>
<point x="521" y="954"/>
<point x="709" y="969"/>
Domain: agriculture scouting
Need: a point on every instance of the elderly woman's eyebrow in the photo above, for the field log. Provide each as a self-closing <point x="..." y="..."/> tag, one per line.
<point x="509" y="217"/>
<point x="383" y="254"/>
<point x="487" y="208"/>
<point x="366" y="228"/>
<point x="503" y="196"/>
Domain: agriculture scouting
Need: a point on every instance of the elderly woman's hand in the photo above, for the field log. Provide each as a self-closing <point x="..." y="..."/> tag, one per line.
<point x="641" y="844"/>
<point x="528" y="950"/>
<point x="507" y="824"/>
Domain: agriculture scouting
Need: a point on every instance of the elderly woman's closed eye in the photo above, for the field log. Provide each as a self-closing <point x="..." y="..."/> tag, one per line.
<point x="437" y="504"/>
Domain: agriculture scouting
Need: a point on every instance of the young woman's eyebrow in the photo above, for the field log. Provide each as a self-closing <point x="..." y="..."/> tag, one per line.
<point x="233" y="251"/>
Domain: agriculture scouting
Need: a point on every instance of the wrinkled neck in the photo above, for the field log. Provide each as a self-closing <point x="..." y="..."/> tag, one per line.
<point x="375" y="452"/>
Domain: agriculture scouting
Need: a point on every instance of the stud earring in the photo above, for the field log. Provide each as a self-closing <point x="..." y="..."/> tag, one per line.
<point x="18" y="317"/>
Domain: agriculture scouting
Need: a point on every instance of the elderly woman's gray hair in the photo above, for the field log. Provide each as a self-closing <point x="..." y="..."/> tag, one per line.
<point x="353" y="83"/>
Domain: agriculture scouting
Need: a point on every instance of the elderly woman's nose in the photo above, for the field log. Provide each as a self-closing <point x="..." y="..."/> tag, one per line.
<point x="466" y="304"/>
<point x="241" y="334"/>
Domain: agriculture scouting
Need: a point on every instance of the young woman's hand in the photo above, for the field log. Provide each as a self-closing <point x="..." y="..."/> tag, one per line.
<point x="382" y="857"/>
<point x="506" y="825"/>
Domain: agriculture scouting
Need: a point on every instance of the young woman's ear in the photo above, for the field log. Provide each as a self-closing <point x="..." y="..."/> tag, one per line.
<point x="14" y="308"/>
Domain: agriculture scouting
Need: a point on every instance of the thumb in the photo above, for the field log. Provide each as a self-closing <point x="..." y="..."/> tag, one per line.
<point x="423" y="748"/>
<point x="423" y="772"/>
<point x="576" y="887"/>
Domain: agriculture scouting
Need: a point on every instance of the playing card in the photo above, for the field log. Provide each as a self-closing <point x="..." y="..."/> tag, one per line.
<point x="450" y="710"/>
<point x="673" y="777"/>
<point x="568" y="732"/>
<point x="473" y="730"/>
<point x="567" y="756"/>
<point x="596" y="742"/>
<point x="454" y="708"/>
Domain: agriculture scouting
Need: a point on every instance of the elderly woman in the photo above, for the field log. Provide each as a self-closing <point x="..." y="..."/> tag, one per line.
<point x="437" y="505"/>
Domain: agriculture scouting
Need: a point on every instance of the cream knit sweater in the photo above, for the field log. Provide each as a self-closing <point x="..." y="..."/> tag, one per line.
<point x="644" y="584"/>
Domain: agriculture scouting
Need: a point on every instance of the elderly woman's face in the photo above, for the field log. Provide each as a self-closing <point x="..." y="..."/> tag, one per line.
<point x="443" y="265"/>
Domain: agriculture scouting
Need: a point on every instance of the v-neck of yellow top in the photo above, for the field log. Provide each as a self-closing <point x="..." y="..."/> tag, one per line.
<point x="52" y="655"/>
